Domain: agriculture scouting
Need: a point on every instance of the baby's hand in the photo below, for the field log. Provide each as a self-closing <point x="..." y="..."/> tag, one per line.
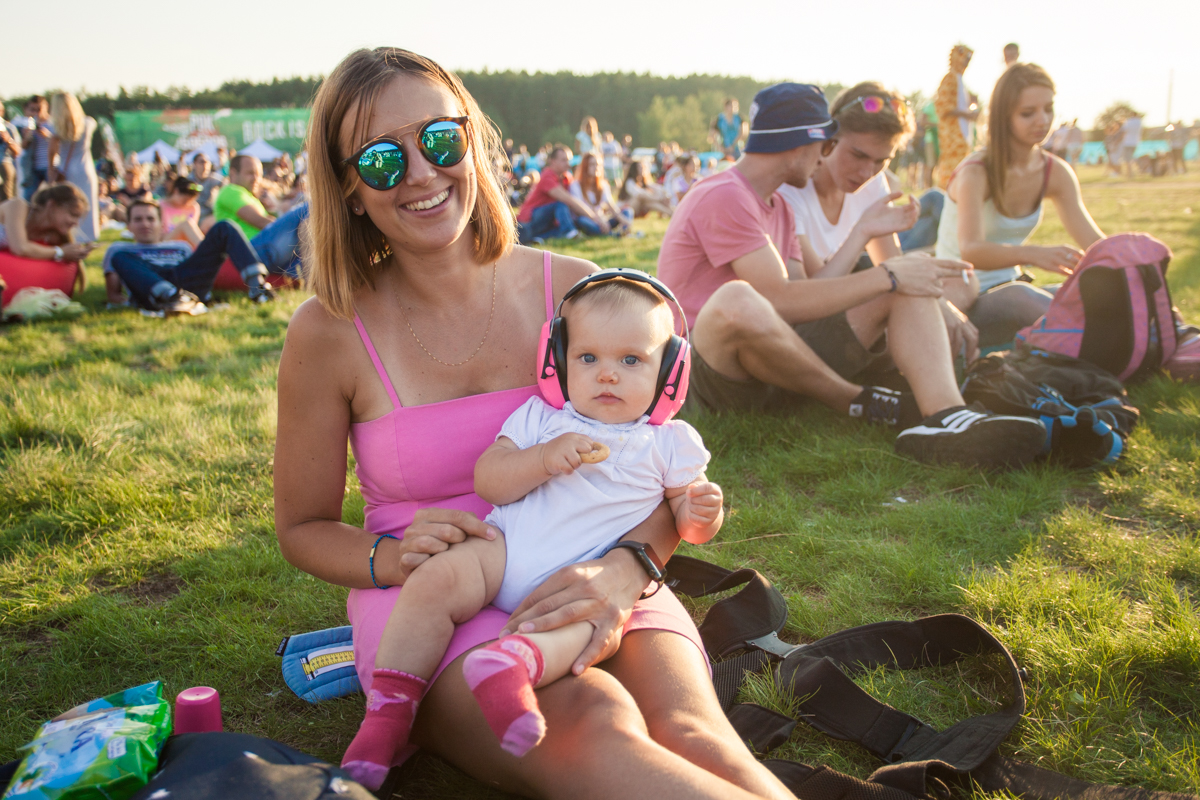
<point x="704" y="500"/>
<point x="562" y="455"/>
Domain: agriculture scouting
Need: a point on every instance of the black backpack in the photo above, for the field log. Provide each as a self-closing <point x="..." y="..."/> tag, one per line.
<point x="1087" y="414"/>
<point x="741" y="635"/>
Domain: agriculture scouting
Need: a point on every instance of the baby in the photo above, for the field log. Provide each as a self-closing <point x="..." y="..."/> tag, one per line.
<point x="554" y="509"/>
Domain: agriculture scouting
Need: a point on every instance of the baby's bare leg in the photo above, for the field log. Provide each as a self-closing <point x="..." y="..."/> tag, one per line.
<point x="560" y="647"/>
<point x="450" y="587"/>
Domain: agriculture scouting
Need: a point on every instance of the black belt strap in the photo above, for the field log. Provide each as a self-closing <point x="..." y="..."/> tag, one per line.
<point x="921" y="760"/>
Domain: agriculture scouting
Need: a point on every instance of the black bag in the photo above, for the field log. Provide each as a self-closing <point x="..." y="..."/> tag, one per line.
<point x="921" y="760"/>
<point x="237" y="766"/>
<point x="1087" y="414"/>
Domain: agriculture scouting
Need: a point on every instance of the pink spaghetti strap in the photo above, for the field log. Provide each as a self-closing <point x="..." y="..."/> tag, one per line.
<point x="383" y="376"/>
<point x="549" y="278"/>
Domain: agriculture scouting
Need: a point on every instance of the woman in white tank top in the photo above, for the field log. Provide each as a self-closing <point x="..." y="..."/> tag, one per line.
<point x="994" y="205"/>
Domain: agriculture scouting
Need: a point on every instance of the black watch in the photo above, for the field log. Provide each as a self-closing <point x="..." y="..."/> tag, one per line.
<point x="645" y="556"/>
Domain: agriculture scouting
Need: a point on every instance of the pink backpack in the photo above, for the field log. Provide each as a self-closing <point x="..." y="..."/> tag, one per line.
<point x="1115" y="311"/>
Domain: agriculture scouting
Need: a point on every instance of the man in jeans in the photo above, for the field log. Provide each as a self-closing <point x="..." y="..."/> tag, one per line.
<point x="550" y="212"/>
<point x="766" y="336"/>
<point x="169" y="276"/>
<point x="36" y="144"/>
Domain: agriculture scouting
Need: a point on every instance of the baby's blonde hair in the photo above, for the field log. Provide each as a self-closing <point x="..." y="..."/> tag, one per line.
<point x="621" y="294"/>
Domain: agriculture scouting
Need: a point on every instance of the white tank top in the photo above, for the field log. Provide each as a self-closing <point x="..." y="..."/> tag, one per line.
<point x="997" y="229"/>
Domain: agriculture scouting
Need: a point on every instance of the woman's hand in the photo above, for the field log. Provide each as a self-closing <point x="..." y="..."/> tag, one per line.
<point x="919" y="275"/>
<point x="883" y="219"/>
<point x="432" y="531"/>
<point x="1061" y="260"/>
<point x="601" y="592"/>
<point x="77" y="252"/>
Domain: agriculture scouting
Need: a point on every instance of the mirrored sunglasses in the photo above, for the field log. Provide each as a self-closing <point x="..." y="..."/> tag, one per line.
<point x="382" y="163"/>
<point x="874" y="103"/>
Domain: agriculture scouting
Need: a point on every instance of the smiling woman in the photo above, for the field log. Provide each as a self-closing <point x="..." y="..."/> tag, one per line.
<point x="410" y="239"/>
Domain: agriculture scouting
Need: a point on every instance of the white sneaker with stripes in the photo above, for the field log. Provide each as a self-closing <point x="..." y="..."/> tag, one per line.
<point x="973" y="437"/>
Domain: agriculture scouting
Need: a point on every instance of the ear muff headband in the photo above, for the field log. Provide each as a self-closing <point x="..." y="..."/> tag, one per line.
<point x="673" y="373"/>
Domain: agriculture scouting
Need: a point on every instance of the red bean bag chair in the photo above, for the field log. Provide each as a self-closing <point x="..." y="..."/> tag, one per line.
<point x="17" y="273"/>
<point x="230" y="280"/>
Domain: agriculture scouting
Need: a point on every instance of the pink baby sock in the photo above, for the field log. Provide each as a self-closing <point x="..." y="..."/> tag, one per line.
<point x="391" y="708"/>
<point x="502" y="676"/>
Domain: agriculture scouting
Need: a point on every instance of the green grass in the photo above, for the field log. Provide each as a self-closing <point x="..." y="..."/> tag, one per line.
<point x="137" y="542"/>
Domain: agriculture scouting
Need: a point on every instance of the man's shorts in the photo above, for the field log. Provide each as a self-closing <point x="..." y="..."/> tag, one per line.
<point x="831" y="338"/>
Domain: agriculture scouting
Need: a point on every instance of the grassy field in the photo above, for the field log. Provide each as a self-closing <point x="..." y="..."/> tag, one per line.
<point x="137" y="540"/>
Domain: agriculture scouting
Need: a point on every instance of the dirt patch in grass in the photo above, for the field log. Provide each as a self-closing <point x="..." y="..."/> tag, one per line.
<point x="156" y="587"/>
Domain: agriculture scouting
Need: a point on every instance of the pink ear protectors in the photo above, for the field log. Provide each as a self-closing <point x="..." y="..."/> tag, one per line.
<point x="672" y="374"/>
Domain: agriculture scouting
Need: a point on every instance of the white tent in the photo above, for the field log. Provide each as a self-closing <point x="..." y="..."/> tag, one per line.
<point x="260" y="150"/>
<point x="169" y="154"/>
<point x="208" y="149"/>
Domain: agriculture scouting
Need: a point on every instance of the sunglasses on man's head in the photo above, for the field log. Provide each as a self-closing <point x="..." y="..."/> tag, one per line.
<point x="382" y="163"/>
<point x="874" y="103"/>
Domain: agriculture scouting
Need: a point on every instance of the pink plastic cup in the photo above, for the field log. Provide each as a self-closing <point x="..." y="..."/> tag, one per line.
<point x="198" y="710"/>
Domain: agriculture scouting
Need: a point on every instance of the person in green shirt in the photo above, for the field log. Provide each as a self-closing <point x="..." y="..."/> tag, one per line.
<point x="236" y="202"/>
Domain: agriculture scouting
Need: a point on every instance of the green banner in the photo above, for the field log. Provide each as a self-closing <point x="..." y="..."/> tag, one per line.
<point x="188" y="129"/>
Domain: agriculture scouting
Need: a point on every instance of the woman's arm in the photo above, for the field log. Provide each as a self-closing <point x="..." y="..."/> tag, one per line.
<point x="1068" y="201"/>
<point x="315" y="390"/>
<point x="52" y="172"/>
<point x="970" y="186"/>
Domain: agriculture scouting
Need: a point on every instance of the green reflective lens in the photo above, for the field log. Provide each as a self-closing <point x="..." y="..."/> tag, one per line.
<point x="381" y="166"/>
<point x="444" y="143"/>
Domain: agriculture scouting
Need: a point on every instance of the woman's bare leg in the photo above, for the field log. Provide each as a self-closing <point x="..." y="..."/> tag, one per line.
<point x="597" y="743"/>
<point x="670" y="682"/>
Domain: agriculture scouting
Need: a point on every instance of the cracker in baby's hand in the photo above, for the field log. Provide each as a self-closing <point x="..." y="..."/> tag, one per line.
<point x="598" y="453"/>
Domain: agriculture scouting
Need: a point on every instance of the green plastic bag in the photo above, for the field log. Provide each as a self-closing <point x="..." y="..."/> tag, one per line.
<point x="103" y="750"/>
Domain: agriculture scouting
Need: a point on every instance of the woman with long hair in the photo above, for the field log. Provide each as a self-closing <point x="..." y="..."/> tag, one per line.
<point x="994" y="205"/>
<point x="421" y="340"/>
<point x="847" y="205"/>
<point x="641" y="193"/>
<point x="588" y="137"/>
<point x="41" y="229"/>
<point x="591" y="188"/>
<point x="72" y="142"/>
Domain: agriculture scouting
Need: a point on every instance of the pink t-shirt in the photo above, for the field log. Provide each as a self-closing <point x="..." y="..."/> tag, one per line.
<point x="720" y="219"/>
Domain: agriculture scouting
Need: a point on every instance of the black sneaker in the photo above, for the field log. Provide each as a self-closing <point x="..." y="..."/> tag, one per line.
<point x="262" y="293"/>
<point x="885" y="407"/>
<point x="182" y="303"/>
<point x="973" y="437"/>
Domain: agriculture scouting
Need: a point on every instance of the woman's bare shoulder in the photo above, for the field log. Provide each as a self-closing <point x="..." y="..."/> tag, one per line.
<point x="317" y="332"/>
<point x="567" y="270"/>
<point x="1063" y="181"/>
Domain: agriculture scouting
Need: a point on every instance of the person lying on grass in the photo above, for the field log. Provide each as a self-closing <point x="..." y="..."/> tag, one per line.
<point x="421" y="341"/>
<point x="175" y="277"/>
<point x="596" y="467"/>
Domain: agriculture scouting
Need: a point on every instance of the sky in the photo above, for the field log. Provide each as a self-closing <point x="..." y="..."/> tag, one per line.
<point x="1097" y="52"/>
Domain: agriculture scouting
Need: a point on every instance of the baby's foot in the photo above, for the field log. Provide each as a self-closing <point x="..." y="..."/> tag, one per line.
<point x="502" y="676"/>
<point x="391" y="708"/>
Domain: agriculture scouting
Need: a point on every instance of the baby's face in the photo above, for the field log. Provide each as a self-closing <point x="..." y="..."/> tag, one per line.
<point x="613" y="357"/>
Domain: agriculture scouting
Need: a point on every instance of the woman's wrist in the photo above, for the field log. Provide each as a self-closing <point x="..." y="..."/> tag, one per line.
<point x="889" y="282"/>
<point x="632" y="577"/>
<point x="388" y="569"/>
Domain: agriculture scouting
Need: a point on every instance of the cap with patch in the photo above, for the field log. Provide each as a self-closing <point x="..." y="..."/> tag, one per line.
<point x="789" y="115"/>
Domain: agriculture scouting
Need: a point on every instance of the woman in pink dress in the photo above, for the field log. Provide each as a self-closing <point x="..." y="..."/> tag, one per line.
<point x="420" y="342"/>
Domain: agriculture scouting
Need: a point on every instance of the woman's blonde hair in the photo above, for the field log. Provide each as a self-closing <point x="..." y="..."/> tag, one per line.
<point x="67" y="116"/>
<point x="1006" y="95"/>
<point x="342" y="251"/>
<point x="893" y="119"/>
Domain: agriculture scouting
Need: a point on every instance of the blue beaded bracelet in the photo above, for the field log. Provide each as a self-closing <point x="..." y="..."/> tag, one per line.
<point x="892" y="277"/>
<point x="371" y="559"/>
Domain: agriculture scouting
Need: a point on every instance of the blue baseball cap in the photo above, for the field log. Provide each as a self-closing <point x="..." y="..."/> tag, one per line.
<point x="789" y="115"/>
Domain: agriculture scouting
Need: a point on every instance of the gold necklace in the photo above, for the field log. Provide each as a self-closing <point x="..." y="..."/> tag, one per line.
<point x="486" y="330"/>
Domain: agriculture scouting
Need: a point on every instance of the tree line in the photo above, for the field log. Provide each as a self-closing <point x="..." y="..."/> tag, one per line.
<point x="529" y="108"/>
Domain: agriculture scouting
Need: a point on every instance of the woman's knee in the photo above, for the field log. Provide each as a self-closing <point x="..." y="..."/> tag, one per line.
<point x="701" y="740"/>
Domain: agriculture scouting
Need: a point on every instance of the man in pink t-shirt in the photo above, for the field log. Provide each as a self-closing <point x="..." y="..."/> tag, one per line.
<point x="766" y="336"/>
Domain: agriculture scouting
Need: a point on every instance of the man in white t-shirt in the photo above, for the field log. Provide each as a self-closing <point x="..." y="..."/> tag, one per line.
<point x="1131" y="137"/>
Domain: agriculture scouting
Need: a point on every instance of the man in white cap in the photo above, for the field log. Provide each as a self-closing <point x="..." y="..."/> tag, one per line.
<point x="765" y="336"/>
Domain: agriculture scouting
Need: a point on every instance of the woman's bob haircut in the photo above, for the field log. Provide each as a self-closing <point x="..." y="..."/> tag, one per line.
<point x="342" y="251"/>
